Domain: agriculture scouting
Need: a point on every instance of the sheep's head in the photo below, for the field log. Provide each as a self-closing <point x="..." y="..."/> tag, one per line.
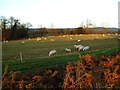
<point x="65" y="49"/>
<point x="75" y="45"/>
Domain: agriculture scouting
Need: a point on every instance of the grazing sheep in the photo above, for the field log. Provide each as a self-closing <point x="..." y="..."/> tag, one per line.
<point x="6" y="40"/>
<point x="23" y="42"/>
<point x="28" y="38"/>
<point x="97" y="37"/>
<point x="38" y="39"/>
<point x="79" y="40"/>
<point x="52" y="40"/>
<point x="68" y="50"/>
<point x="45" y="38"/>
<point x="81" y="48"/>
<point x="108" y="34"/>
<point x="86" y="48"/>
<point x="70" y="38"/>
<point x="77" y="46"/>
<point x="53" y="52"/>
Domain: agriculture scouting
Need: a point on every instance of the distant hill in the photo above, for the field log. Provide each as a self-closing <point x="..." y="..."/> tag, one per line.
<point x="102" y="28"/>
<point x="96" y="28"/>
<point x="114" y="29"/>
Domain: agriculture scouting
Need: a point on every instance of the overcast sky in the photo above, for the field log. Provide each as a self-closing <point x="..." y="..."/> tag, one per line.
<point x="62" y="13"/>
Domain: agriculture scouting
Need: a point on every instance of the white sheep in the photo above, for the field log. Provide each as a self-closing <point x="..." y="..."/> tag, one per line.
<point x="52" y="40"/>
<point x="38" y="39"/>
<point x="86" y="48"/>
<point x="28" y="38"/>
<point x="68" y="50"/>
<point x="97" y="37"/>
<point x="77" y="46"/>
<point x="45" y="38"/>
<point x="23" y="42"/>
<point x="53" y="52"/>
<point x="70" y="38"/>
<point x="79" y="40"/>
<point x="81" y="48"/>
<point x="6" y="40"/>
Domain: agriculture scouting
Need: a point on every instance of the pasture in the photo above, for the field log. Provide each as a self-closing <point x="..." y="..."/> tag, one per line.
<point x="35" y="53"/>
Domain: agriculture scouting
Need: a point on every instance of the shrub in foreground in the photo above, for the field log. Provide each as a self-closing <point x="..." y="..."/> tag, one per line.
<point x="89" y="72"/>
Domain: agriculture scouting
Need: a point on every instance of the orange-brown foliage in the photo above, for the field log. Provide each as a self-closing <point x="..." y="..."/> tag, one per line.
<point x="89" y="72"/>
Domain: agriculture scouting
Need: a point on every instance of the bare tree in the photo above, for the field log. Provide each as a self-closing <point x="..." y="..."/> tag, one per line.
<point x="3" y="23"/>
<point x="13" y="28"/>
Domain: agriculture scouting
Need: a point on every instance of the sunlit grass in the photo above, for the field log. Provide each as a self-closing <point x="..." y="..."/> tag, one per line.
<point x="35" y="53"/>
<point x="38" y="63"/>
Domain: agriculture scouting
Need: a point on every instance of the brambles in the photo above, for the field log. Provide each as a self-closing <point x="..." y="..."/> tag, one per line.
<point x="46" y="78"/>
<point x="5" y="71"/>
<point x="91" y="72"/>
<point x="88" y="72"/>
<point x="81" y="75"/>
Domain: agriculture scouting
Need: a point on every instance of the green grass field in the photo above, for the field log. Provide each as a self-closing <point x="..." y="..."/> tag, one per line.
<point x="35" y="54"/>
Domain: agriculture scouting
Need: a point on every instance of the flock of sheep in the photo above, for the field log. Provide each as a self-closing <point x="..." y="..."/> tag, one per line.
<point x="77" y="47"/>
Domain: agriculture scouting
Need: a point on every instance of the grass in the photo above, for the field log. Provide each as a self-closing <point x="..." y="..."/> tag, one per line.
<point x="38" y="63"/>
<point x="35" y="54"/>
<point x="11" y="50"/>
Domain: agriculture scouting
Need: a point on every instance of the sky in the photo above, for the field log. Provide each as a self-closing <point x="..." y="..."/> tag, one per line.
<point x="119" y="15"/>
<point x="62" y="13"/>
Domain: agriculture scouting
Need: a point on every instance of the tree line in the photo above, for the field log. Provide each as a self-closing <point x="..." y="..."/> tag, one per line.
<point x="40" y="32"/>
<point x="13" y="29"/>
